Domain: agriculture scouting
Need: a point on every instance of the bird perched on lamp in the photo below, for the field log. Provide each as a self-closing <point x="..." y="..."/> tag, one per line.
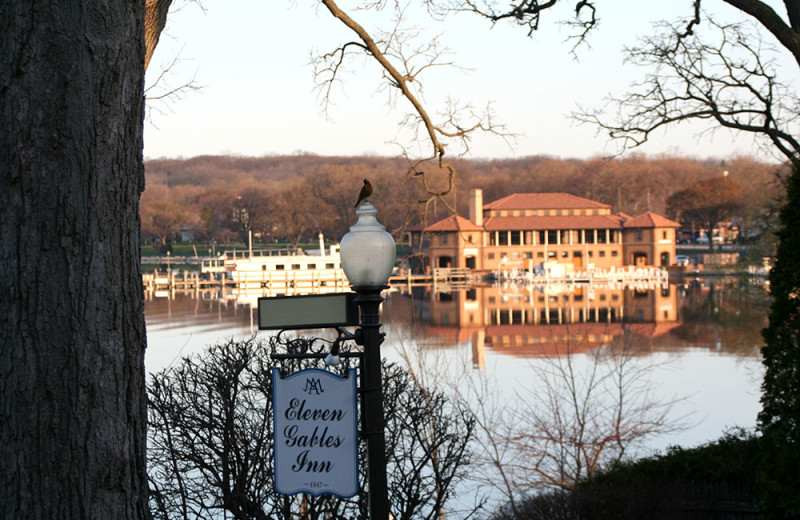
<point x="366" y="191"/>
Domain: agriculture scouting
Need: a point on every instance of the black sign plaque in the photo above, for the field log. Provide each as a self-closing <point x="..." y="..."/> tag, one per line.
<point x="307" y="311"/>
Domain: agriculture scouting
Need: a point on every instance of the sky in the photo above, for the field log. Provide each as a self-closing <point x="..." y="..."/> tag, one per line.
<point x="252" y="59"/>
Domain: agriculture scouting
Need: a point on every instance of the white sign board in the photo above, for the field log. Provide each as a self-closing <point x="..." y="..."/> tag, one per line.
<point x="316" y="433"/>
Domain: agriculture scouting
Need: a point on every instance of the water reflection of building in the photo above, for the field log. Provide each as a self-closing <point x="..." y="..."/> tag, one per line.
<point x="545" y="320"/>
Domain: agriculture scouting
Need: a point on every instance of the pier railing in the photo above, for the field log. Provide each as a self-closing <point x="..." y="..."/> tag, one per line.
<point x="626" y="276"/>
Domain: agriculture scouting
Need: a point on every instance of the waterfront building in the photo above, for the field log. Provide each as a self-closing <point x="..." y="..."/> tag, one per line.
<point x="556" y="230"/>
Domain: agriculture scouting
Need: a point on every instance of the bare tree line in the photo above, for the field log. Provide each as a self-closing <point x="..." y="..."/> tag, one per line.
<point x="293" y="198"/>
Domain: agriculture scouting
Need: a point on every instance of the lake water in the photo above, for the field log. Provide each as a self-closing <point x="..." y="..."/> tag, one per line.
<point x="695" y="343"/>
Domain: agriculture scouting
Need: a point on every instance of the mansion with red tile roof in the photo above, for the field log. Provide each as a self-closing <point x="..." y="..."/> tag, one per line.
<point x="526" y="229"/>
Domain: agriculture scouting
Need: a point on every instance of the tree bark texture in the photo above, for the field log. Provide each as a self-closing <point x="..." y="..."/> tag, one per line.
<point x="72" y="339"/>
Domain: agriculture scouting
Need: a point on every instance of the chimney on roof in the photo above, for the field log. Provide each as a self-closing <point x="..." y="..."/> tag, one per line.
<point x="476" y="207"/>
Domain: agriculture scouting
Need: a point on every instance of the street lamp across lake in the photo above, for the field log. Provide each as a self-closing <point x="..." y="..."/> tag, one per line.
<point x="368" y="253"/>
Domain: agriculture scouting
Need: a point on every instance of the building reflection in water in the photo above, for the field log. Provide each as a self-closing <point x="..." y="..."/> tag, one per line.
<point x="540" y="320"/>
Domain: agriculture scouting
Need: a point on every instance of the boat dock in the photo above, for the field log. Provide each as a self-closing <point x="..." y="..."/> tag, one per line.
<point x="275" y="283"/>
<point x="644" y="277"/>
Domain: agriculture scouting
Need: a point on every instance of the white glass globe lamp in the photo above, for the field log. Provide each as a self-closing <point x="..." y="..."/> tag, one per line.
<point x="367" y="250"/>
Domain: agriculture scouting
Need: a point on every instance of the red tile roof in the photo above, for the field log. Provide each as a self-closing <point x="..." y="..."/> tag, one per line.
<point x="553" y="222"/>
<point x="651" y="220"/>
<point x="543" y="201"/>
<point x="454" y="223"/>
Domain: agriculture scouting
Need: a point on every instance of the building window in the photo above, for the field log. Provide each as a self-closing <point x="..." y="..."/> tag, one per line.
<point x="664" y="235"/>
<point x="490" y="256"/>
<point x="590" y="236"/>
<point x="551" y="254"/>
<point x="601" y="236"/>
<point x="264" y="267"/>
<point x="516" y="238"/>
<point x="529" y="255"/>
<point x="329" y="266"/>
<point x="602" y="253"/>
<point x="638" y="235"/>
<point x="295" y="266"/>
<point x="552" y="237"/>
<point x="279" y="267"/>
<point x="564" y="254"/>
<point x="502" y="238"/>
<point x="539" y="255"/>
<point x="542" y="237"/>
<point x="444" y="238"/>
<point x="614" y="253"/>
<point x="493" y="239"/>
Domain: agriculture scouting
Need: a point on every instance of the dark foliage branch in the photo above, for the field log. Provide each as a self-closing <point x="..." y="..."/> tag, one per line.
<point x="778" y="477"/>
<point x="527" y="13"/>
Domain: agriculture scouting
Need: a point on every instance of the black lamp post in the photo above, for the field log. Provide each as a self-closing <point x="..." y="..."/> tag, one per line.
<point x="368" y="254"/>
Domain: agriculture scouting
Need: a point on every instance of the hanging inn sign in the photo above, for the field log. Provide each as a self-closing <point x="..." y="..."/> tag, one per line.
<point x="316" y="428"/>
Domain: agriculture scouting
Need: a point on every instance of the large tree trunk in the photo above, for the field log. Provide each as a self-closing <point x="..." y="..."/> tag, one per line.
<point x="72" y="402"/>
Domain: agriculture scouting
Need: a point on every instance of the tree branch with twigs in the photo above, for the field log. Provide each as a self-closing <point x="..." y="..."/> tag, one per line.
<point x="402" y="65"/>
<point x="726" y="81"/>
<point x="580" y="412"/>
<point x="161" y="92"/>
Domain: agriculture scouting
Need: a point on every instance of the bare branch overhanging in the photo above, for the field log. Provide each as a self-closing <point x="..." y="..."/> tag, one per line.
<point x="728" y="81"/>
<point x="402" y="66"/>
<point x="772" y="115"/>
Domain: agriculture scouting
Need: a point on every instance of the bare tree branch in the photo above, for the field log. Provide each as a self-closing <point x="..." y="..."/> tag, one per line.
<point x="161" y="92"/>
<point x="728" y="81"/>
<point x="771" y="21"/>
<point x="581" y="412"/>
<point x="402" y="64"/>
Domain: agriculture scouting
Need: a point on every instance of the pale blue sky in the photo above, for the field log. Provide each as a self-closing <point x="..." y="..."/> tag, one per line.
<point x="252" y="59"/>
